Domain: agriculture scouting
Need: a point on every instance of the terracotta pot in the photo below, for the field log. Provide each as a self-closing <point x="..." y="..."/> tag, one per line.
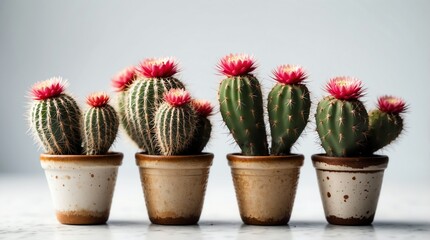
<point x="350" y="187"/>
<point x="265" y="187"/>
<point x="174" y="186"/>
<point x="81" y="186"/>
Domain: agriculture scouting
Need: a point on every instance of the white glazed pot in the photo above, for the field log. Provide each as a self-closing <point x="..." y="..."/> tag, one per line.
<point x="81" y="186"/>
<point x="350" y="187"/>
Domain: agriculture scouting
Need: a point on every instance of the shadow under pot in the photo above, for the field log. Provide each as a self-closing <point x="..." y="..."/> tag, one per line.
<point x="350" y="187"/>
<point x="265" y="187"/>
<point x="174" y="186"/>
<point x="81" y="186"/>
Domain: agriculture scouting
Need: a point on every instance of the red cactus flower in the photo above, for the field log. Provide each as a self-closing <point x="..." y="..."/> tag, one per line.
<point x="48" y="89"/>
<point x="202" y="107"/>
<point x="236" y="65"/>
<point x="289" y="74"/>
<point x="390" y="104"/>
<point x="124" y="79"/>
<point x="158" y="67"/>
<point x="345" y="88"/>
<point x="177" y="97"/>
<point x="98" y="99"/>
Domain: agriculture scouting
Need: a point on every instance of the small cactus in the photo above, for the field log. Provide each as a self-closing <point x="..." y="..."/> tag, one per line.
<point x="175" y="122"/>
<point x="100" y="124"/>
<point x="341" y="118"/>
<point x="203" y="131"/>
<point x="288" y="107"/>
<point x="55" y="118"/>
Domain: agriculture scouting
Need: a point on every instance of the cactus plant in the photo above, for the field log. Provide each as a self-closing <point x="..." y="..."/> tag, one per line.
<point x="55" y="117"/>
<point x="175" y="122"/>
<point x="100" y="125"/>
<point x="288" y="107"/>
<point x="241" y="104"/>
<point x="144" y="97"/>
<point x="203" y="131"/>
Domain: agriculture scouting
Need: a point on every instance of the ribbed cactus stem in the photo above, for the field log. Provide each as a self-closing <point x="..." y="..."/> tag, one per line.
<point x="203" y="131"/>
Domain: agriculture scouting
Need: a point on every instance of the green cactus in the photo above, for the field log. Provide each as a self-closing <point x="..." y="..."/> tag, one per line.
<point x="100" y="125"/>
<point x="203" y="126"/>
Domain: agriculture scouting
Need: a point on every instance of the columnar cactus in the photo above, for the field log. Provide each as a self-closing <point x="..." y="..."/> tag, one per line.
<point x="341" y="118"/>
<point x="100" y="124"/>
<point x="288" y="107"/>
<point x="241" y="104"/>
<point x="175" y="122"/>
<point x="55" y="118"/>
<point x="203" y="131"/>
<point x="144" y="97"/>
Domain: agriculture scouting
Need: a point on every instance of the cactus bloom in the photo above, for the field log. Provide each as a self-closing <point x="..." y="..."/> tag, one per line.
<point x="48" y="89"/>
<point x="390" y="104"/>
<point x="158" y="67"/>
<point x="123" y="79"/>
<point x="345" y="88"/>
<point x="98" y="99"/>
<point x="202" y="107"/>
<point x="177" y="97"/>
<point x="236" y="65"/>
<point x="289" y="74"/>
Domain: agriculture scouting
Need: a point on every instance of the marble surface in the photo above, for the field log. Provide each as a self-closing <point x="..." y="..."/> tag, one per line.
<point x="26" y="213"/>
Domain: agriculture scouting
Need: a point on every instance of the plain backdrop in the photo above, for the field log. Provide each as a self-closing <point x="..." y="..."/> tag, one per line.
<point x="386" y="44"/>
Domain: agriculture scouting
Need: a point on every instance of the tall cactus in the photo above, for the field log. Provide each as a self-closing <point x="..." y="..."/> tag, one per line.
<point x="55" y="118"/>
<point x="241" y="104"/>
<point x="175" y="122"/>
<point x="203" y="131"/>
<point x="144" y="97"/>
<point x="100" y="124"/>
<point x="341" y="119"/>
<point x="288" y="106"/>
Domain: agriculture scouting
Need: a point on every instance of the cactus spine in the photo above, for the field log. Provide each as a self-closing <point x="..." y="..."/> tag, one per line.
<point x="55" y="118"/>
<point x="288" y="107"/>
<point x="100" y="125"/>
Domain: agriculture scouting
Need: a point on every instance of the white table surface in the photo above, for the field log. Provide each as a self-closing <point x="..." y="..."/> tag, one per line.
<point x="26" y="213"/>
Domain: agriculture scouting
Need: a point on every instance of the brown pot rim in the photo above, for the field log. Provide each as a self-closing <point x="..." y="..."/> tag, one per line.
<point x="296" y="159"/>
<point x="110" y="158"/>
<point x="353" y="162"/>
<point x="205" y="156"/>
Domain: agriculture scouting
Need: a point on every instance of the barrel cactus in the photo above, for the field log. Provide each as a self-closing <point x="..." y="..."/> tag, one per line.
<point x="203" y="109"/>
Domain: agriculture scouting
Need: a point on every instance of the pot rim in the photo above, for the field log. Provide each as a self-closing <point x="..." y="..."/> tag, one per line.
<point x="204" y="158"/>
<point x="296" y="160"/>
<point x="360" y="162"/>
<point x="111" y="158"/>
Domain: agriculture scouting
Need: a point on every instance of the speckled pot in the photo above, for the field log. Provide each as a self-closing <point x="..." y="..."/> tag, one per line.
<point x="174" y="186"/>
<point x="350" y="187"/>
<point x="81" y="186"/>
<point x="265" y="187"/>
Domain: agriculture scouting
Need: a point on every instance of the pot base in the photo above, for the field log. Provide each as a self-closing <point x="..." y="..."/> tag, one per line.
<point x="265" y="222"/>
<point x="82" y="217"/>
<point x="175" y="220"/>
<point x="350" y="221"/>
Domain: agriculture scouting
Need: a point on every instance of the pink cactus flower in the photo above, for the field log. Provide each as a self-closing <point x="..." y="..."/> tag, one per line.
<point x="345" y="88"/>
<point x="236" y="65"/>
<point x="158" y="67"/>
<point x="48" y="89"/>
<point x="289" y="74"/>
<point x="98" y="99"/>
<point x="177" y="97"/>
<point x="124" y="79"/>
<point x="390" y="104"/>
<point x="203" y="107"/>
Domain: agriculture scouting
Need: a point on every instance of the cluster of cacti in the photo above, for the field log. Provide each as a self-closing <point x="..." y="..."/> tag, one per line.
<point x="241" y="105"/>
<point x="345" y="127"/>
<point x="151" y="114"/>
<point x="56" y="121"/>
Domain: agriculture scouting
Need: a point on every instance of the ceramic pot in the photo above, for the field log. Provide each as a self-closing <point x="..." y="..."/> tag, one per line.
<point x="350" y="187"/>
<point x="174" y="186"/>
<point x="265" y="187"/>
<point x="81" y="186"/>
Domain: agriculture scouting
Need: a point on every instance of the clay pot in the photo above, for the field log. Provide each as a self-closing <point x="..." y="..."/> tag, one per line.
<point x="265" y="187"/>
<point x="350" y="187"/>
<point x="81" y="186"/>
<point x="174" y="186"/>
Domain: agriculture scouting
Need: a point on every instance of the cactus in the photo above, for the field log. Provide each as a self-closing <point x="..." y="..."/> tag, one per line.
<point x="203" y="131"/>
<point x="55" y="118"/>
<point x="100" y="124"/>
<point x="385" y="123"/>
<point x="241" y="104"/>
<point x="144" y="97"/>
<point x="288" y="107"/>
<point x="175" y="122"/>
<point x="341" y="119"/>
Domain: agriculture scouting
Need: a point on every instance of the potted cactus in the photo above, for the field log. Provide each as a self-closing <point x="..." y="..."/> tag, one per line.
<point x="80" y="171"/>
<point x="172" y="130"/>
<point x="350" y="174"/>
<point x="265" y="181"/>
